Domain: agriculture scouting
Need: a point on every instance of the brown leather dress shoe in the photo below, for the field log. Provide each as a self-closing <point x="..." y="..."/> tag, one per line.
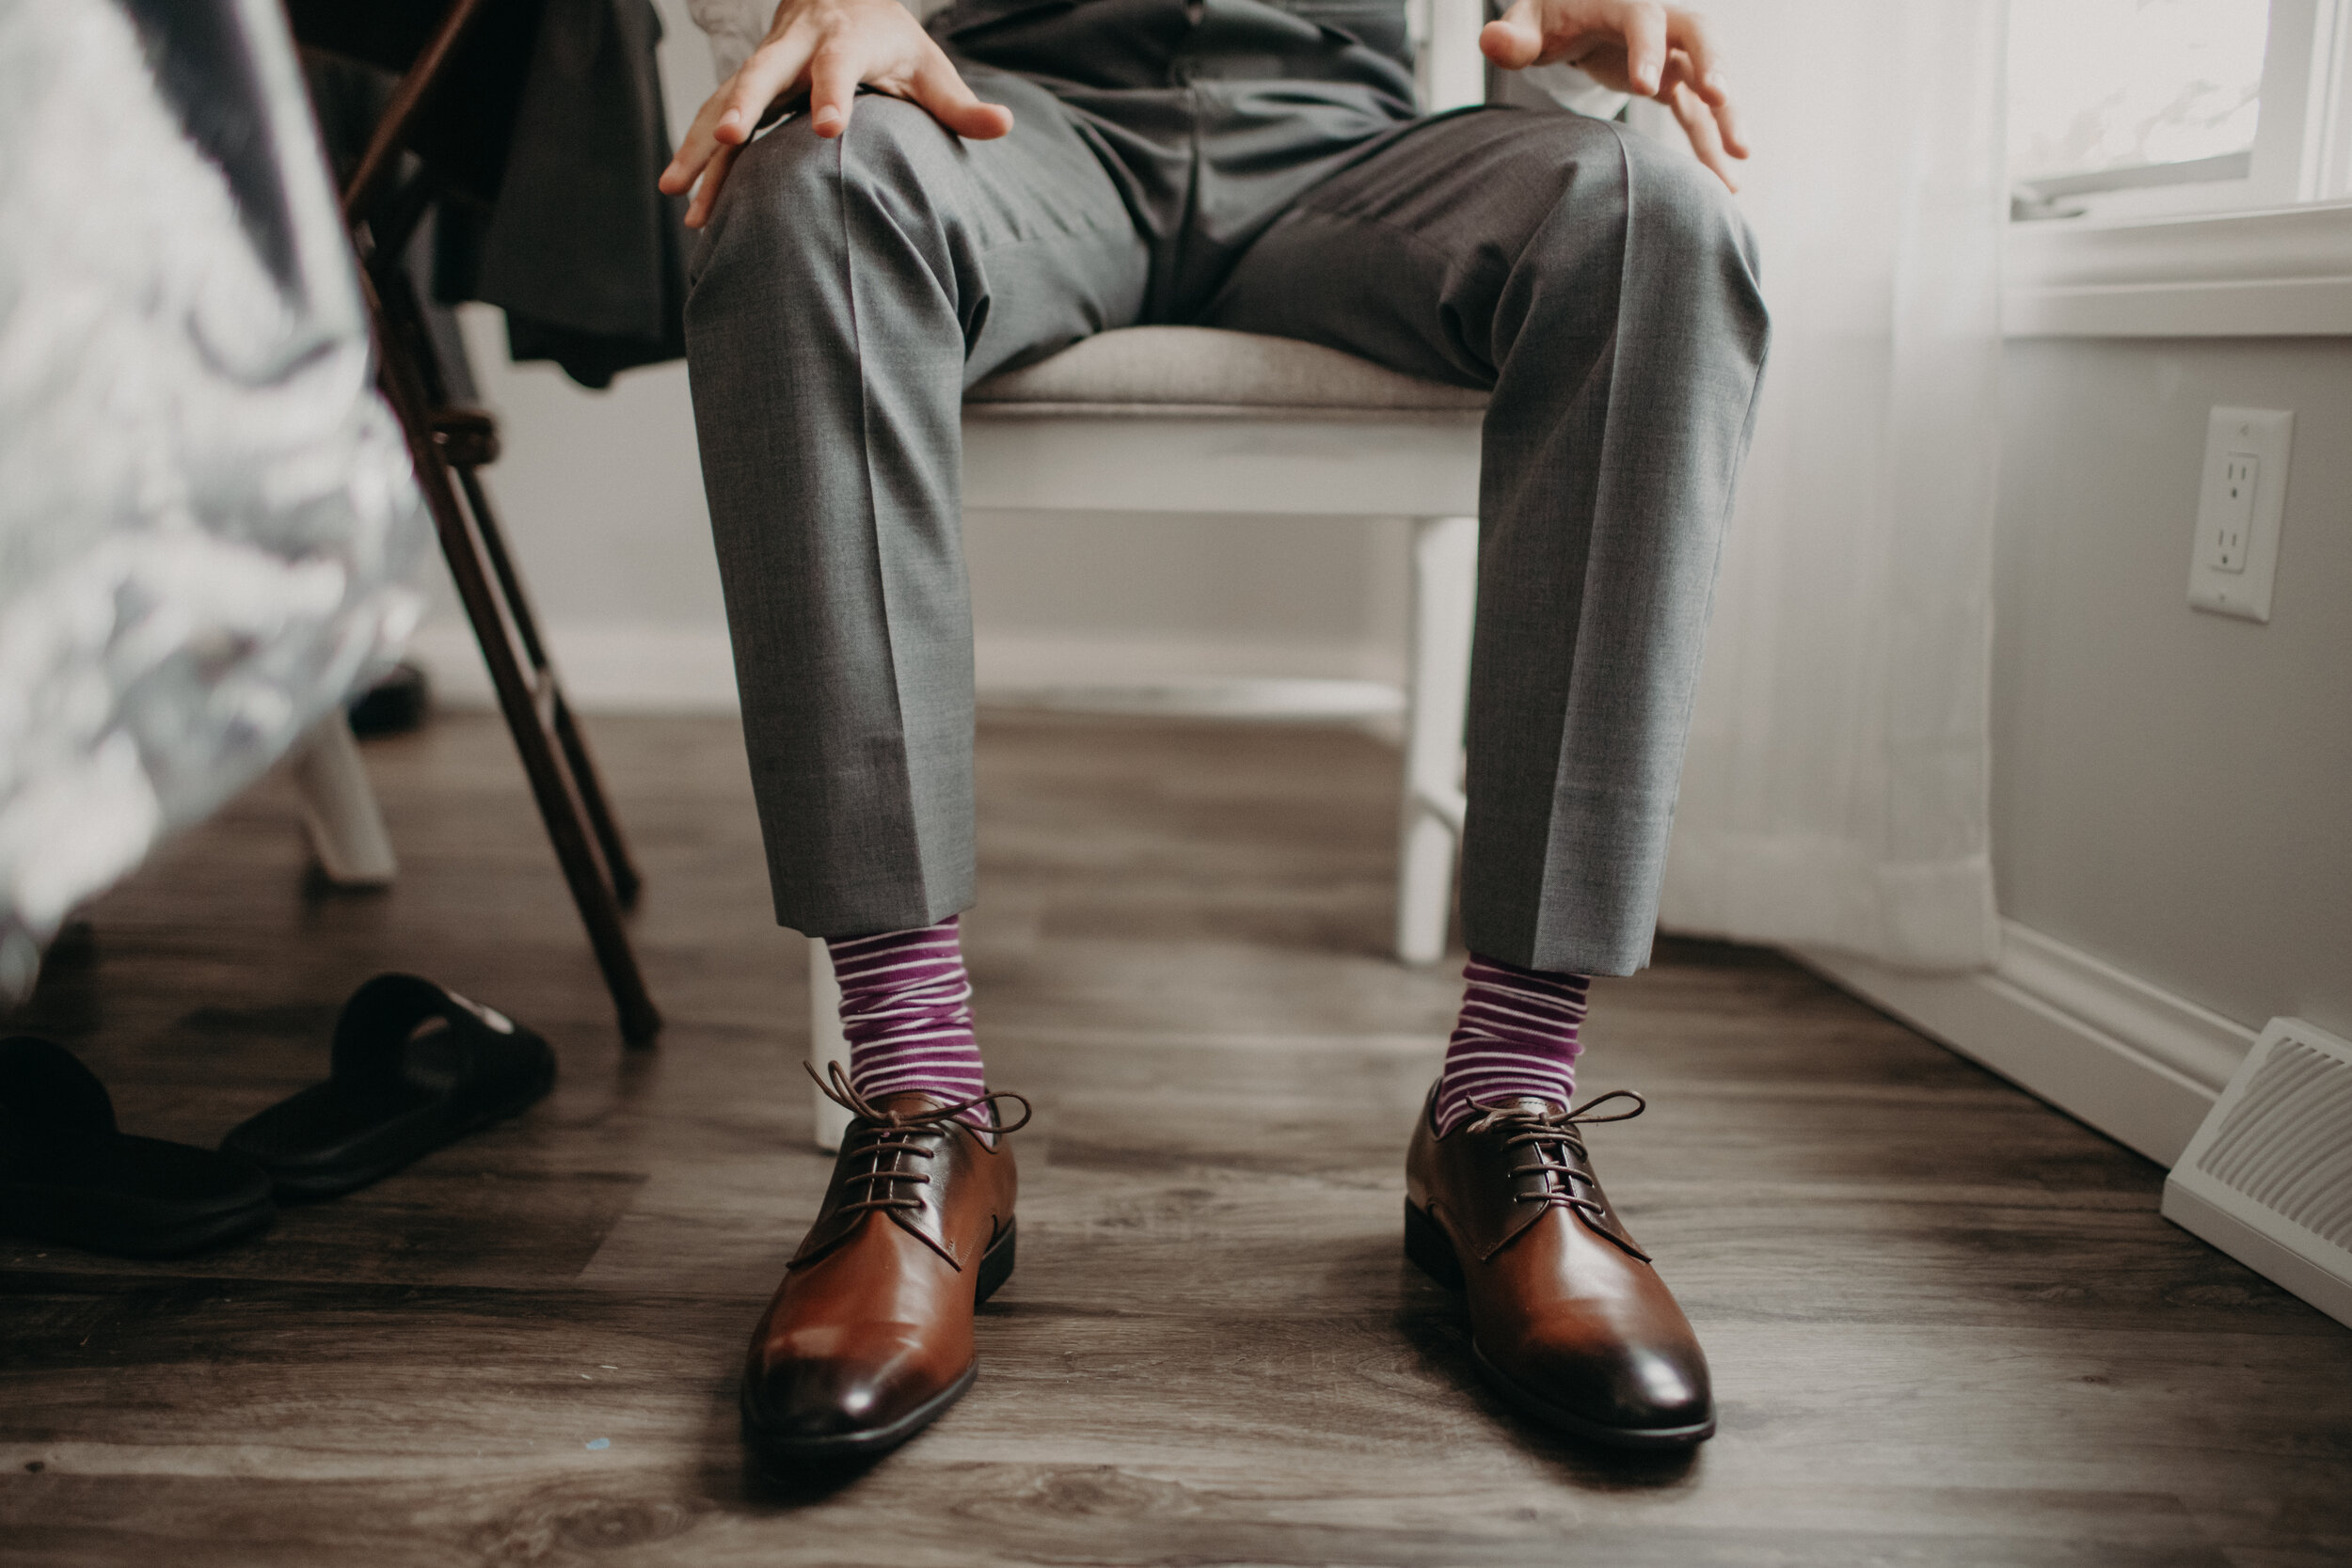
<point x="869" y="1339"/>
<point x="1569" y="1320"/>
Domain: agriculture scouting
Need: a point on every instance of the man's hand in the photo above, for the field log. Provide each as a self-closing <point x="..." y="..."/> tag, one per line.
<point x="829" y="48"/>
<point x="1634" y="46"/>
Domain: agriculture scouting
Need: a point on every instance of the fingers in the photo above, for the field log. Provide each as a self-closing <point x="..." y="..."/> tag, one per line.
<point x="1643" y="24"/>
<point x="1698" y="118"/>
<point x="1728" y="126"/>
<point x="1687" y="34"/>
<point x="939" y="87"/>
<point x="1516" y="40"/>
<point x="834" y="73"/>
<point x="1638" y="46"/>
<point x="714" y="174"/>
<point x="774" y="67"/>
<point x="693" y="153"/>
<point x="1697" y="63"/>
<point x="1722" y="130"/>
<point x="729" y="116"/>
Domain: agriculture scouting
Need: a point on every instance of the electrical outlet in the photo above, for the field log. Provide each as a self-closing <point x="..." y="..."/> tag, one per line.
<point x="2224" y="533"/>
<point x="2239" y="506"/>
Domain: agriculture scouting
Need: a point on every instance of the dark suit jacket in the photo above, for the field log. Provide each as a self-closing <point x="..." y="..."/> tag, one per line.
<point x="548" y="136"/>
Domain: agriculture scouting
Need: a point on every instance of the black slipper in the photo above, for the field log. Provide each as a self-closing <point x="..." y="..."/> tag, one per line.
<point x="414" y="1067"/>
<point x="67" y="1176"/>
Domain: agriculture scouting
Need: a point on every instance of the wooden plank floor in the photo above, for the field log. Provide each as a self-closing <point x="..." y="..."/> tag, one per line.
<point x="1947" y="1322"/>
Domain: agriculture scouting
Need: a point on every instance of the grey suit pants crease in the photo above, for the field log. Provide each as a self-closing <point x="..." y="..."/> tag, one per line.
<point x="848" y="292"/>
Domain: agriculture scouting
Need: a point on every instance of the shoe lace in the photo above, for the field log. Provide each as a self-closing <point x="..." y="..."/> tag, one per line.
<point x="881" y="1136"/>
<point x="1545" y="1133"/>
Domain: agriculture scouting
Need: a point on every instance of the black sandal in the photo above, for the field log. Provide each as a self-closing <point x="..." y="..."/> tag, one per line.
<point x="68" y="1175"/>
<point x="414" y="1067"/>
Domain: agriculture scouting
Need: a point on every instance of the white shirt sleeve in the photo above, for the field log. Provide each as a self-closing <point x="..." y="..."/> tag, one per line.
<point x="1572" y="90"/>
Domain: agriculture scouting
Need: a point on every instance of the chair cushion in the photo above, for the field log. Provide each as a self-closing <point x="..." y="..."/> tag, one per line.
<point x="1161" y="369"/>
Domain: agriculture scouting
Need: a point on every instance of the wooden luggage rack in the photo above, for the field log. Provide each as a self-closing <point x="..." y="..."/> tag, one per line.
<point x="450" y="444"/>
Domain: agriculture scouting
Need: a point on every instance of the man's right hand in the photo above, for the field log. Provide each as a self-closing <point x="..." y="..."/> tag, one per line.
<point x="831" y="48"/>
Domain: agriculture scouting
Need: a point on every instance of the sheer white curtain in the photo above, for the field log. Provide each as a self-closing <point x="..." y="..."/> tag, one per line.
<point x="1836" y="790"/>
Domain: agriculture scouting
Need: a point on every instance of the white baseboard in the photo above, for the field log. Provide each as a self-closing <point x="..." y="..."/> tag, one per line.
<point x="607" y="667"/>
<point x="1204" y="677"/>
<point x="1014" y="660"/>
<point x="2135" y="1061"/>
<point x="626" y="668"/>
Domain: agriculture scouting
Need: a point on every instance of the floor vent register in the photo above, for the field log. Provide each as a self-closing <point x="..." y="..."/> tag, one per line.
<point x="2269" y="1177"/>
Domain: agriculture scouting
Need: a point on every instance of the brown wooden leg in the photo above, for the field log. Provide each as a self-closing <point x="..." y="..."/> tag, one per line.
<point x="625" y="883"/>
<point x="562" y="776"/>
<point x="447" y="444"/>
<point x="567" y="734"/>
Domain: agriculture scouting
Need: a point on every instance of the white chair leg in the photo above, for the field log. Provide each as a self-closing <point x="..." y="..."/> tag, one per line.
<point x="1445" y="593"/>
<point x="826" y="1043"/>
<point x="339" y="807"/>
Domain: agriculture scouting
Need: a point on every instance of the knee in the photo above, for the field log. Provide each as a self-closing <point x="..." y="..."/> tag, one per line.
<point x="1677" y="201"/>
<point x="787" y="194"/>
<point x="1662" y="210"/>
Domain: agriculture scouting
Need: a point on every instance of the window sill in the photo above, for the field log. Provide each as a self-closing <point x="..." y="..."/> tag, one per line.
<point x="2286" y="272"/>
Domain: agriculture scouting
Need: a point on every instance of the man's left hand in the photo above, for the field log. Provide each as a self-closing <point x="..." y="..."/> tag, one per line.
<point x="1636" y="46"/>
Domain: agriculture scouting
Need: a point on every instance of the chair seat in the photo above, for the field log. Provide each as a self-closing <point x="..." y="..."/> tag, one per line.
<point x="1205" y="370"/>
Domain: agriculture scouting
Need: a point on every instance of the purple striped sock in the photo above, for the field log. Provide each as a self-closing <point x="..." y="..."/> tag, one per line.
<point x="1516" y="1036"/>
<point x="906" y="1006"/>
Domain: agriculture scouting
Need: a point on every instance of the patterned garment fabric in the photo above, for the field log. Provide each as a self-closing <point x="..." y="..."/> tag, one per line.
<point x="906" y="1006"/>
<point x="1516" y="1036"/>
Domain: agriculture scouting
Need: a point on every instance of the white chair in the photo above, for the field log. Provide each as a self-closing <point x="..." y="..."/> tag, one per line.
<point x="1188" y="419"/>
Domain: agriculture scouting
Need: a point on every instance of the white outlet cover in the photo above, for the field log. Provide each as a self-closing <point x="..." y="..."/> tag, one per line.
<point x="2266" y="432"/>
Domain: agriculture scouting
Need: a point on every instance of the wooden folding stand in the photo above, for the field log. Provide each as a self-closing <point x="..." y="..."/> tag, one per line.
<point x="450" y="445"/>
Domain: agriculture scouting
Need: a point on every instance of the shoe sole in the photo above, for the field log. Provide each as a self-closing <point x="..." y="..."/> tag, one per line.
<point x="1428" y="1246"/>
<point x="778" y="1453"/>
<point x="27" y="1215"/>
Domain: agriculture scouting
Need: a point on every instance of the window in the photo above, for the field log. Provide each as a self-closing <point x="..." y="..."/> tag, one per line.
<point x="2142" y="108"/>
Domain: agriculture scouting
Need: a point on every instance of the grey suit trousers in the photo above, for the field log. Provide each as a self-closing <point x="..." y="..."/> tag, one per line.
<point x="847" y="292"/>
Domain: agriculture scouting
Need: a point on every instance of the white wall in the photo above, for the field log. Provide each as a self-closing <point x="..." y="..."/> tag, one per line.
<point x="2172" y="790"/>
